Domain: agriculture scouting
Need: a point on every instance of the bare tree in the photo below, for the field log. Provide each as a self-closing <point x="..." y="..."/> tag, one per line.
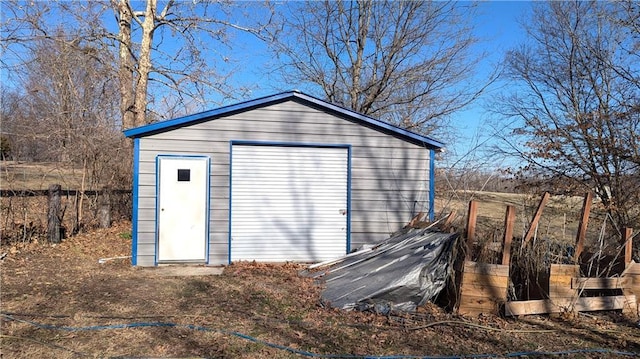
<point x="66" y="109"/>
<point x="66" y="112"/>
<point x="188" y="72"/>
<point x="405" y="62"/>
<point x="174" y="50"/>
<point x="575" y="103"/>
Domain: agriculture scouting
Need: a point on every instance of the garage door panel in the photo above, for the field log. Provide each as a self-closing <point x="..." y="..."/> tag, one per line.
<point x="284" y="206"/>
<point x="288" y="203"/>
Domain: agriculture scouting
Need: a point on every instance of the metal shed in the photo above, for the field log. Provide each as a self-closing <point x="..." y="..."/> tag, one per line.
<point x="286" y="177"/>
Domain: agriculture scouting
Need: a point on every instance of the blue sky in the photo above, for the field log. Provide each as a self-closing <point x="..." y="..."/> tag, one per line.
<point x="497" y="25"/>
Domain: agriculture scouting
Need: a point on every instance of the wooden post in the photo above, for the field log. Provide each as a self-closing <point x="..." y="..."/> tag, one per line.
<point x="509" y="221"/>
<point x="536" y="218"/>
<point x="53" y="218"/>
<point x="472" y="215"/>
<point x="582" y="226"/>
<point x="450" y="218"/>
<point x="628" y="245"/>
<point x="104" y="212"/>
<point x="416" y="219"/>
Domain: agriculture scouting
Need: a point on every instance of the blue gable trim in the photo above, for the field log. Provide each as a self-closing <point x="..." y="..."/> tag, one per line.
<point x="273" y="99"/>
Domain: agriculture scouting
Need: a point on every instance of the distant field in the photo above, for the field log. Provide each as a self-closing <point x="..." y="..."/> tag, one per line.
<point x="37" y="176"/>
<point x="559" y="221"/>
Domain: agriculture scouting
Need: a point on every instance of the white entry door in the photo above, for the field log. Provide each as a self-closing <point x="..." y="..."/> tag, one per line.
<point x="288" y="203"/>
<point x="182" y="208"/>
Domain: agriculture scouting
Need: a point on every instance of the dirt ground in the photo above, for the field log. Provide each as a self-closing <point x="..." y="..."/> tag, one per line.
<point x="60" y="302"/>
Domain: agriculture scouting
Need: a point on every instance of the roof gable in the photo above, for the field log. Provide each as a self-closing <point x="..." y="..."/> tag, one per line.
<point x="302" y="98"/>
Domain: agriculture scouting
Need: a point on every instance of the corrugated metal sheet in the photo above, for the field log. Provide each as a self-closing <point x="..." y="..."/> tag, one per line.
<point x="401" y="273"/>
<point x="288" y="203"/>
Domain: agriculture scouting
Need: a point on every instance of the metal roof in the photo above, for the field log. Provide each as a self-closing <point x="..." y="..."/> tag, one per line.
<point x="302" y="98"/>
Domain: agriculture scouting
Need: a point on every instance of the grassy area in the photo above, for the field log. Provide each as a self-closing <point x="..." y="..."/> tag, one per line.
<point x="555" y="234"/>
<point x="559" y="219"/>
<point x="38" y="176"/>
<point x="558" y="224"/>
<point x="250" y="311"/>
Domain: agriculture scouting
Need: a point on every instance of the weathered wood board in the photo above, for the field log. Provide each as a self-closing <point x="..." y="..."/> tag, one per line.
<point x="583" y="304"/>
<point x="483" y="288"/>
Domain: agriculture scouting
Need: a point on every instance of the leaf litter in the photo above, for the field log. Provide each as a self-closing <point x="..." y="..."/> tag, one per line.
<point x="64" y="285"/>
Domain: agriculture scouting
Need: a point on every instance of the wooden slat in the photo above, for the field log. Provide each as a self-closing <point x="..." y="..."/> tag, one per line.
<point x="478" y="304"/>
<point x="598" y="283"/>
<point x="627" y="240"/>
<point x="528" y="307"/>
<point x="633" y="268"/>
<point x="582" y="225"/>
<point x="562" y="289"/>
<point x="536" y="218"/>
<point x="588" y="304"/>
<point x="484" y="268"/>
<point x="484" y="281"/>
<point x="561" y="280"/>
<point x="585" y="304"/>
<point x="450" y="218"/>
<point x="494" y="296"/>
<point x="564" y="269"/>
<point x="492" y="293"/>
<point x="472" y="215"/>
<point x="509" y="221"/>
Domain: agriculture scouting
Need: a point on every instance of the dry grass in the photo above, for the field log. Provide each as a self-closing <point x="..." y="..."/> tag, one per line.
<point x="64" y="285"/>
<point x="24" y="218"/>
<point x="558" y="224"/>
<point x="38" y="176"/>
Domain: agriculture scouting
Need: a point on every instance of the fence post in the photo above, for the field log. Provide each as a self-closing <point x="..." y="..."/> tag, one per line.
<point x="509" y="222"/>
<point x="627" y="241"/>
<point x="536" y="218"/>
<point x="53" y="218"/>
<point x="582" y="225"/>
<point x="472" y="215"/>
<point x="104" y="212"/>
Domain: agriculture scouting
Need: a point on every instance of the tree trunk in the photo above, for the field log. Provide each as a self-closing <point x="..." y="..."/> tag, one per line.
<point x="144" y="63"/>
<point x="104" y="212"/>
<point x="126" y="68"/>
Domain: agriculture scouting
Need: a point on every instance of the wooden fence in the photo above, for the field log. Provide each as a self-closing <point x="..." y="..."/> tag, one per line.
<point x="484" y="288"/>
<point x="55" y="213"/>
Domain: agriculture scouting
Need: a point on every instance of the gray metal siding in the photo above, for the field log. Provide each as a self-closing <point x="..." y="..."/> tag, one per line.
<point x="389" y="176"/>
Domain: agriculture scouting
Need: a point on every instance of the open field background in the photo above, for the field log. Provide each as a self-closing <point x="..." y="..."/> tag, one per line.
<point x="24" y="218"/>
<point x="38" y="176"/>
<point x="557" y="228"/>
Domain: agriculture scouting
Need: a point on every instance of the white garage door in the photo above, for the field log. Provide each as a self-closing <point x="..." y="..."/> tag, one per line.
<point x="288" y="203"/>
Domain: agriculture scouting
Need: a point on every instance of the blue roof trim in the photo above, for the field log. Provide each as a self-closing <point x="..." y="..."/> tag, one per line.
<point x="267" y="100"/>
